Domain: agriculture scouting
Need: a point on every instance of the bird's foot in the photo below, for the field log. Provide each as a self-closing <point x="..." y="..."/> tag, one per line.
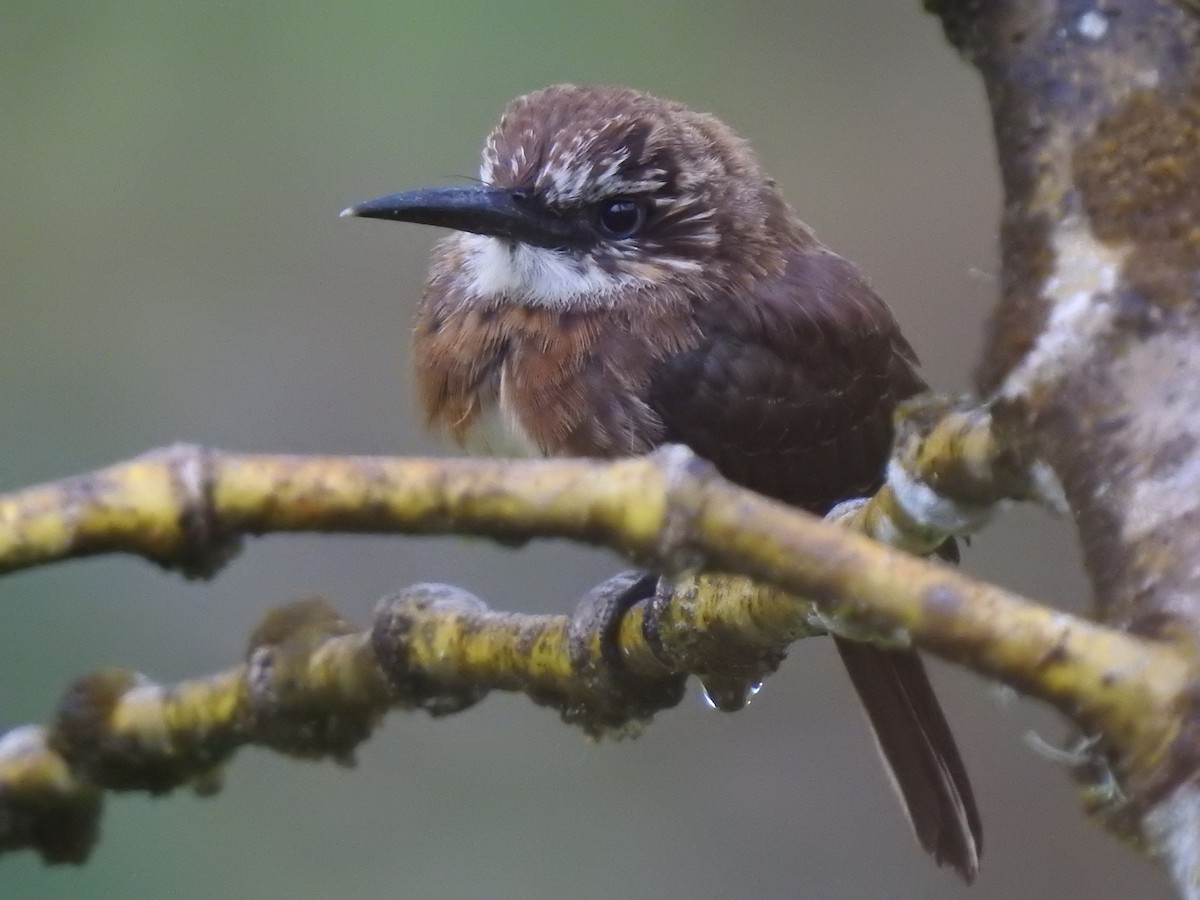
<point x="612" y="698"/>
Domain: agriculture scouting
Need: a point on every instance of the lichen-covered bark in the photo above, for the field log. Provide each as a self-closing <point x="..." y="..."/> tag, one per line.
<point x="1095" y="345"/>
<point x="1093" y="353"/>
<point x="311" y="686"/>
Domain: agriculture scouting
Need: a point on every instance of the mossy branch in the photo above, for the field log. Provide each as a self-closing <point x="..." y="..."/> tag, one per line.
<point x="313" y="686"/>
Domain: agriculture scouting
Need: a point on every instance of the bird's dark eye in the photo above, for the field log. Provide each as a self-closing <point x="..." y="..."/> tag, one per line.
<point x="620" y="217"/>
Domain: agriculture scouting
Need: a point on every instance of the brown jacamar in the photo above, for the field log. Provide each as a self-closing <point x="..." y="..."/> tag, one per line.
<point x="626" y="275"/>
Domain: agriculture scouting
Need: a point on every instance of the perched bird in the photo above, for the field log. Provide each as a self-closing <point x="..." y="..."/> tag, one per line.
<point x="626" y="275"/>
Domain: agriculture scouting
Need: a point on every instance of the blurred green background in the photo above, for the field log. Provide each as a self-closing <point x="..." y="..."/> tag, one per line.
<point x="174" y="269"/>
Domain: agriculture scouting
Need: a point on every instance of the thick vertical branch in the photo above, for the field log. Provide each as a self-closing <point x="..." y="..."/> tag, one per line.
<point x="1094" y="350"/>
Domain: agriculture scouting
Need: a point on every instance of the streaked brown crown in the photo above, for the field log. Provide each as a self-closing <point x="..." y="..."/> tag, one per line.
<point x="709" y="205"/>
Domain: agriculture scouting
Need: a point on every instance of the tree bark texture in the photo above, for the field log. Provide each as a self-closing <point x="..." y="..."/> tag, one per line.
<point x="1093" y="353"/>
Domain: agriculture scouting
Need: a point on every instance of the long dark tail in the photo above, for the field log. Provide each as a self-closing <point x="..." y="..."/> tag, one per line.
<point x="919" y="749"/>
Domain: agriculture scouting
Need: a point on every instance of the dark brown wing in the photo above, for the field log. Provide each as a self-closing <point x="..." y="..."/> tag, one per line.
<point x="790" y="393"/>
<point x="791" y="390"/>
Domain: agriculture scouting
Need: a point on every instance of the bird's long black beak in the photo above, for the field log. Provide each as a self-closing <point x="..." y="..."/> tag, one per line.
<point x="481" y="209"/>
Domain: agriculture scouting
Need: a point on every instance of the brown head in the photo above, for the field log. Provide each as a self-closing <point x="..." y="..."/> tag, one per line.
<point x="595" y="195"/>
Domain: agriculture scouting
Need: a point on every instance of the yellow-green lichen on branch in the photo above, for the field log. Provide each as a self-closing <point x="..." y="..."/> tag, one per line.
<point x="314" y="686"/>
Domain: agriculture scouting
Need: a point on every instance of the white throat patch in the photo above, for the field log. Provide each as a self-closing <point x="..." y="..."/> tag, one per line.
<point x="539" y="275"/>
